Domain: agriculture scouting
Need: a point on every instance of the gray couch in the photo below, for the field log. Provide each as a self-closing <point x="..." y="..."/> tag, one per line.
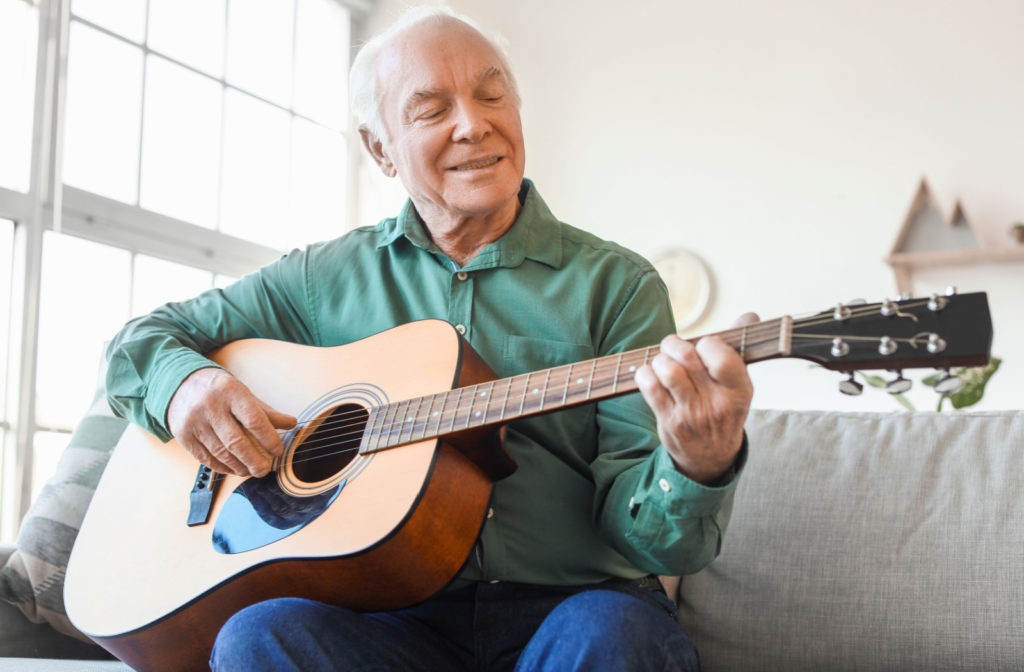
<point x="859" y="541"/>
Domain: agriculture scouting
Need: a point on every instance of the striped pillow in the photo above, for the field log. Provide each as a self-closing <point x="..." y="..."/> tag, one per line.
<point x="33" y="578"/>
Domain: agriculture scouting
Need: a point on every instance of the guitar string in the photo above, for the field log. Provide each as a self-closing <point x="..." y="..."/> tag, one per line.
<point x="354" y="438"/>
<point x="386" y="431"/>
<point x="604" y="362"/>
<point x="755" y="330"/>
<point x="515" y="389"/>
<point x="601" y="376"/>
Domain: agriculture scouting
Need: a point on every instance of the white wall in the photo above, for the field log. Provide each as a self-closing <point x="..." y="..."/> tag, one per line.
<point x="782" y="141"/>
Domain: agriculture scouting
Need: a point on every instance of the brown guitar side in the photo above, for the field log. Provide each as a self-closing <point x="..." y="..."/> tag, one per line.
<point x="443" y="497"/>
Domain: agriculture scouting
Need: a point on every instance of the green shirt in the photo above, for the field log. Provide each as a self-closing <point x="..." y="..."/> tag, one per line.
<point x="595" y="496"/>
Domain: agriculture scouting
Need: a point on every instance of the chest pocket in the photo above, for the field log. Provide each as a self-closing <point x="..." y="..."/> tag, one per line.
<point x="571" y="434"/>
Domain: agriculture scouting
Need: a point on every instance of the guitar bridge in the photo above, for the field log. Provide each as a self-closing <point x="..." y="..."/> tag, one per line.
<point x="201" y="497"/>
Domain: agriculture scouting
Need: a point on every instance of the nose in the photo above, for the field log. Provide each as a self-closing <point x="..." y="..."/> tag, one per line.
<point x="471" y="122"/>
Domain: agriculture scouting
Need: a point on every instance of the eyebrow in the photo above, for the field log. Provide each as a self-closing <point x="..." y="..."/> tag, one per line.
<point x="430" y="94"/>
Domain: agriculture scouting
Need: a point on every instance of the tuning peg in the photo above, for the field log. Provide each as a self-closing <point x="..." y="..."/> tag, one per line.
<point x="850" y="387"/>
<point x="899" y="384"/>
<point x="840" y="348"/>
<point x="948" y="383"/>
<point x="936" y="344"/>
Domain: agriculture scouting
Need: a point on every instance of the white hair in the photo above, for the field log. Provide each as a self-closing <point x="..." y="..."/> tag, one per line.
<point x="363" y="94"/>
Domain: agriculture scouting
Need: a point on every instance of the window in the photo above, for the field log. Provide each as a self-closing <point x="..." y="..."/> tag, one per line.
<point x="198" y="139"/>
<point x="229" y="115"/>
<point x="18" y="21"/>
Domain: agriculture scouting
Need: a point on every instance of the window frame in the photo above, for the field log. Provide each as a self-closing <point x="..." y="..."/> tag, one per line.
<point x="50" y="205"/>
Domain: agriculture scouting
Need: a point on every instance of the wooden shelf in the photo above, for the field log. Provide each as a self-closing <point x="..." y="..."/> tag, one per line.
<point x="923" y="243"/>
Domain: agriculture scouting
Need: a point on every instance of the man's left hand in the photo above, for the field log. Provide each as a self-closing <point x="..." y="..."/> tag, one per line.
<point x="700" y="395"/>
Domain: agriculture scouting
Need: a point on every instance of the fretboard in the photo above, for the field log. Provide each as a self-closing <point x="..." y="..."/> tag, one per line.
<point x="503" y="400"/>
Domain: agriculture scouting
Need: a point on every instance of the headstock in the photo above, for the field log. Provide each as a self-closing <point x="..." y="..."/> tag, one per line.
<point x="936" y="332"/>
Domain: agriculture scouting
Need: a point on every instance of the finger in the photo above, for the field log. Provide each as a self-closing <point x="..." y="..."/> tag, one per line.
<point x="679" y="367"/>
<point x="745" y="319"/>
<point x="204" y="449"/>
<point x="722" y="363"/>
<point x="237" y="444"/>
<point x="254" y="416"/>
<point x="653" y="392"/>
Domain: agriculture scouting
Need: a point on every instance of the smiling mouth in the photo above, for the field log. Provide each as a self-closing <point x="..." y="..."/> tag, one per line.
<point x="483" y="163"/>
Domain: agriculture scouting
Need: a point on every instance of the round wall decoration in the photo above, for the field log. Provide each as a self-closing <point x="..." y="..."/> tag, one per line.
<point x="689" y="285"/>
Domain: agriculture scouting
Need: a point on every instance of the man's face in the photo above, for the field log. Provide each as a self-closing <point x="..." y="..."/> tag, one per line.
<point x="455" y="136"/>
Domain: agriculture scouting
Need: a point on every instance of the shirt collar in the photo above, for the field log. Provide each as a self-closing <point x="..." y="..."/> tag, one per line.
<point x="535" y="235"/>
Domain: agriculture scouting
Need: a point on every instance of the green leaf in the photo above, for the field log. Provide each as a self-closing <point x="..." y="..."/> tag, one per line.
<point x="975" y="380"/>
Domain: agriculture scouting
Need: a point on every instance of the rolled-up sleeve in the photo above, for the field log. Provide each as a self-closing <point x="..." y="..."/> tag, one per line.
<point x="152" y="355"/>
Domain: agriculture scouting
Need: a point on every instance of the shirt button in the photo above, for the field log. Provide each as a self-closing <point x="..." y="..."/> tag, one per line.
<point x="461" y="328"/>
<point x="494" y="581"/>
<point x="462" y="275"/>
<point x="490" y="513"/>
<point x="665" y="485"/>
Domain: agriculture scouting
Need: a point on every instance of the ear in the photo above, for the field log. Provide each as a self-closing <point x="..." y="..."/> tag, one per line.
<point x="375" y="147"/>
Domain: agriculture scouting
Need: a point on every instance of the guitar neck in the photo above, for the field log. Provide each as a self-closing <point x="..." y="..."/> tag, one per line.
<point x="503" y="400"/>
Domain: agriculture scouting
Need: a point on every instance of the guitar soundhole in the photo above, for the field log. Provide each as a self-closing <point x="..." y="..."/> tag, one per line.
<point x="332" y="445"/>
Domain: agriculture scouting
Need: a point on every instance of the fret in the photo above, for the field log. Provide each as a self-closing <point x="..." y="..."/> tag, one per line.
<point x="504" y="402"/>
<point x="565" y="388"/>
<point x="615" y="379"/>
<point x="743" y="340"/>
<point x="590" y="383"/>
<point x="526" y="389"/>
<point x="455" y="411"/>
<point x="371" y="437"/>
<point x="409" y="421"/>
<point x="431" y="414"/>
<point x="399" y="420"/>
<point x="469" y="411"/>
<point x="544" y="390"/>
<point x="388" y="425"/>
<point x="487" y="405"/>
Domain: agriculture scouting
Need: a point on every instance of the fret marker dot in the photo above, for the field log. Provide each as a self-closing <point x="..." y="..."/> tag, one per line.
<point x="632" y="369"/>
<point x="436" y="412"/>
<point x="477" y="414"/>
<point x="536" y="390"/>
<point x="483" y="394"/>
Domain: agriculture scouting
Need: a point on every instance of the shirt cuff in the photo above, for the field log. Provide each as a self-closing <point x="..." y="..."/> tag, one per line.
<point x="166" y="381"/>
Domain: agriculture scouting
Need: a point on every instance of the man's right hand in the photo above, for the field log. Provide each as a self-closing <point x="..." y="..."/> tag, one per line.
<point x="224" y="426"/>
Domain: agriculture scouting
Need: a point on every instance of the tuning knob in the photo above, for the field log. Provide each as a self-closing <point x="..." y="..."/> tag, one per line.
<point x="841" y="312"/>
<point x="899" y="384"/>
<point x="948" y="383"/>
<point x="850" y="387"/>
<point x="886" y="346"/>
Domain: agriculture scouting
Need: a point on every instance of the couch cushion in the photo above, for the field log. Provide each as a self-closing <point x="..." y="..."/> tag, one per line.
<point x="869" y="542"/>
<point x="33" y="577"/>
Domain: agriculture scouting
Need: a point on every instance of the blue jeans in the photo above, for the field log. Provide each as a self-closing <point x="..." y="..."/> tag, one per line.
<point x="608" y="627"/>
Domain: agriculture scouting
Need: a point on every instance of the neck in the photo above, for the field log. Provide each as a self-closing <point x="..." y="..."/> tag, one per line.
<point x="462" y="236"/>
<point x="500" y="401"/>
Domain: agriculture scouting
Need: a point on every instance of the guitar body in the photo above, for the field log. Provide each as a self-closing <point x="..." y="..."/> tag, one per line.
<point x="155" y="591"/>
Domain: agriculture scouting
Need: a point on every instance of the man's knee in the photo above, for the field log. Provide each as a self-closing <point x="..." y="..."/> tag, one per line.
<point x="609" y="630"/>
<point x="262" y="629"/>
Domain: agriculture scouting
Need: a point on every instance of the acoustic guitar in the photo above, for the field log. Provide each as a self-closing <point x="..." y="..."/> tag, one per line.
<point x="385" y="482"/>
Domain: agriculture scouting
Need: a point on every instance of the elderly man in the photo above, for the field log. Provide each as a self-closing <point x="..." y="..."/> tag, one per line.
<point x="605" y="496"/>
